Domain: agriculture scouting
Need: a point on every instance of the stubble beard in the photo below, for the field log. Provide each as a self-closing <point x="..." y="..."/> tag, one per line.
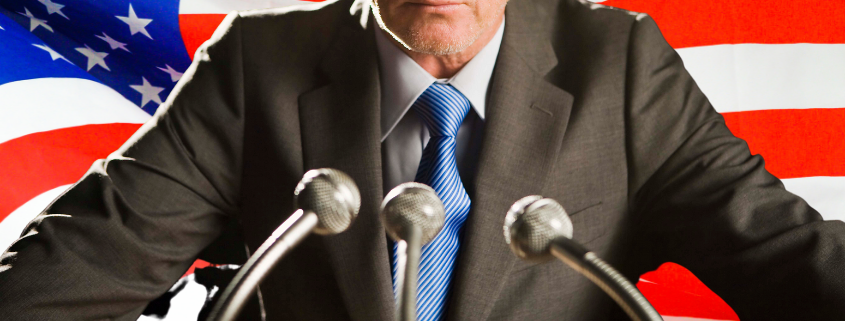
<point x="440" y="43"/>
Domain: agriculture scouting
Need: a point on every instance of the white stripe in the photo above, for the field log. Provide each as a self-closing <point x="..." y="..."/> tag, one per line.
<point x="225" y="6"/>
<point x="13" y="225"/>
<point x="825" y="194"/>
<point x="43" y="104"/>
<point x="756" y="76"/>
<point x="187" y="303"/>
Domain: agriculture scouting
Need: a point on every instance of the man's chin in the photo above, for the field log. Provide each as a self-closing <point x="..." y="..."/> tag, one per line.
<point x="438" y="48"/>
<point x="438" y="38"/>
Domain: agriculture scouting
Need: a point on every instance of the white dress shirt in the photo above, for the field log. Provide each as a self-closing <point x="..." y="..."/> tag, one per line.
<point x="403" y="134"/>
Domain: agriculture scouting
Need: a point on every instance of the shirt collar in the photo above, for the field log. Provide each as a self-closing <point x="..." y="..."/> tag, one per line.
<point x="403" y="80"/>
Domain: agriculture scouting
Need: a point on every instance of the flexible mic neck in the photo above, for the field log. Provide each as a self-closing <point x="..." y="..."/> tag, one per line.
<point x="407" y="274"/>
<point x="412" y="215"/>
<point x="538" y="229"/>
<point x="328" y="202"/>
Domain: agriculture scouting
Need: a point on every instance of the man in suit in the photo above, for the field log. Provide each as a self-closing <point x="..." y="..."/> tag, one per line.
<point x="585" y="104"/>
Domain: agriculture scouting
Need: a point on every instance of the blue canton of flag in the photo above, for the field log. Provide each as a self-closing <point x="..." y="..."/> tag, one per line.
<point x="24" y="56"/>
<point x="55" y="119"/>
<point x="134" y="47"/>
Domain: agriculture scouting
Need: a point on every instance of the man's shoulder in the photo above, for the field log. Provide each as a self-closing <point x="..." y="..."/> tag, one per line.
<point x="292" y="38"/>
<point x="299" y="23"/>
<point x="586" y="9"/>
<point x="598" y="10"/>
<point x="589" y="15"/>
<point x="576" y="23"/>
<point x="306" y="13"/>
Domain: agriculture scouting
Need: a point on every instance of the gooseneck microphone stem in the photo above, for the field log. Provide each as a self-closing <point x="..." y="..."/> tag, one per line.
<point x="295" y="229"/>
<point x="412" y="215"/>
<point x="408" y="262"/>
<point x="606" y="278"/>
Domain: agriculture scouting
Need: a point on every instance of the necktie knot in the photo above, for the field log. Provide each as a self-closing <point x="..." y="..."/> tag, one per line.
<point x="442" y="109"/>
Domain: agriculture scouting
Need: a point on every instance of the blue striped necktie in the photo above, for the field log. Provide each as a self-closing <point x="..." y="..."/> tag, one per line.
<point x="442" y="108"/>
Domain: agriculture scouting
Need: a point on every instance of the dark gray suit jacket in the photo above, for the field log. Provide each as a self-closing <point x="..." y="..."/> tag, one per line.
<point x="588" y="105"/>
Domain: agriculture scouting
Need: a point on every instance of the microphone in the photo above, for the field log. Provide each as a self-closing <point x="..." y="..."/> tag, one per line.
<point x="412" y="215"/>
<point x="328" y="202"/>
<point x="538" y="229"/>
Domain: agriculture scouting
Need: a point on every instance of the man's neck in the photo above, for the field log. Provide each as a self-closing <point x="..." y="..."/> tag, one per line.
<point x="446" y="66"/>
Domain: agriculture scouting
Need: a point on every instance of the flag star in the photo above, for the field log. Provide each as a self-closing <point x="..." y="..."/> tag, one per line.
<point x="148" y="92"/>
<point x="53" y="54"/>
<point x="136" y="24"/>
<point x="35" y="22"/>
<point x="53" y="7"/>
<point x="174" y="75"/>
<point x="94" y="58"/>
<point x="114" y="44"/>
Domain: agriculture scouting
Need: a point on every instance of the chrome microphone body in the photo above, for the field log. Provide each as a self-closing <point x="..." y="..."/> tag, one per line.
<point x="412" y="215"/>
<point x="538" y="229"/>
<point x="328" y="203"/>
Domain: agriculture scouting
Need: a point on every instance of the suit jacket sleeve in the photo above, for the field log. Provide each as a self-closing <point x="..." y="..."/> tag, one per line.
<point x="136" y="221"/>
<point x="700" y="199"/>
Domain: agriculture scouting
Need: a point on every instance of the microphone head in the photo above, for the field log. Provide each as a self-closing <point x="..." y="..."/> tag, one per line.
<point x="332" y="195"/>
<point x="531" y="225"/>
<point x="412" y="205"/>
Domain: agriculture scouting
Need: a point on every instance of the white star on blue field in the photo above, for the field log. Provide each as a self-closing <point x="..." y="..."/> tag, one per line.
<point x="134" y="47"/>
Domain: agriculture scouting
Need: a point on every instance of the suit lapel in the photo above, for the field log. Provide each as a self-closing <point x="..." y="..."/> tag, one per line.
<point x="524" y="127"/>
<point x="340" y="129"/>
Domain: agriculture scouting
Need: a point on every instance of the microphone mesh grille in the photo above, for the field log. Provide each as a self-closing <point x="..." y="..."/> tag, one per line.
<point x="532" y="226"/>
<point x="332" y="195"/>
<point x="413" y="205"/>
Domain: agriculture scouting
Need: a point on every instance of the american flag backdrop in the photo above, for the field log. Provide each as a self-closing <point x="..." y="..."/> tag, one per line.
<point x="78" y="77"/>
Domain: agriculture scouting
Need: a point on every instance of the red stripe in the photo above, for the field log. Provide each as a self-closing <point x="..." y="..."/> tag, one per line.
<point x="675" y="291"/>
<point x="38" y="162"/>
<point x="197" y="28"/>
<point x="690" y="23"/>
<point x="794" y="142"/>
<point x="198" y="264"/>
